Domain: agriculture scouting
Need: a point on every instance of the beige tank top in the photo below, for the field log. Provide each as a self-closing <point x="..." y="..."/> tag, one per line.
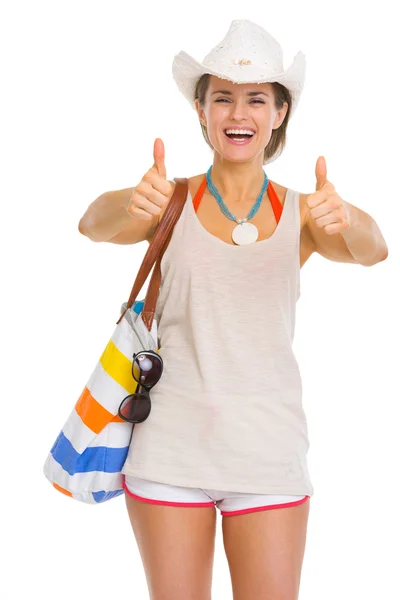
<point x="227" y="413"/>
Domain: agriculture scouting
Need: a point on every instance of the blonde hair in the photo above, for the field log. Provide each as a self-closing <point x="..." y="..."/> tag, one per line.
<point x="278" y="136"/>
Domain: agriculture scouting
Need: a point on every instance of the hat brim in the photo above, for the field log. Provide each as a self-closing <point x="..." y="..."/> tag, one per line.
<point x="186" y="71"/>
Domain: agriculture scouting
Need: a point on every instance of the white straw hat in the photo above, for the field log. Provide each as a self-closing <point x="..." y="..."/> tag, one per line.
<point x="247" y="54"/>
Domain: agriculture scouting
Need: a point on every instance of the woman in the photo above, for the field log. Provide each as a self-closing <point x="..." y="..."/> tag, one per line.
<point x="227" y="427"/>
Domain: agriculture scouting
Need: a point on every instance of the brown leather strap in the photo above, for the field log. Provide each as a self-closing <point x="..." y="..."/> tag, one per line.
<point x="153" y="291"/>
<point x="155" y="252"/>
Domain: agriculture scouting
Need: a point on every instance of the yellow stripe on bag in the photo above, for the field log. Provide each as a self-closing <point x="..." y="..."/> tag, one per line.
<point x="117" y="366"/>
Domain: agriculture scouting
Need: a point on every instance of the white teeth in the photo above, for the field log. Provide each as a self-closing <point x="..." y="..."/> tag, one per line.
<point x="239" y="131"/>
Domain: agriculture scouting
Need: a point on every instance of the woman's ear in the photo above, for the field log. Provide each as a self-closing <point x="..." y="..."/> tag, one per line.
<point x="200" y="112"/>
<point x="280" y="116"/>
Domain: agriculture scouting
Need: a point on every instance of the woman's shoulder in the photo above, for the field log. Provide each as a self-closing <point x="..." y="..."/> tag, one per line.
<point x="280" y="190"/>
<point x="193" y="182"/>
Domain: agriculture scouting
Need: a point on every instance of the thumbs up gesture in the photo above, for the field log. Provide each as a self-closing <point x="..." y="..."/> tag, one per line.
<point x="151" y="196"/>
<point x="327" y="207"/>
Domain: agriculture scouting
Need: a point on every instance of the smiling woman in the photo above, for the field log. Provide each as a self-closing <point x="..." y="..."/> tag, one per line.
<point x="274" y="92"/>
<point x="227" y="427"/>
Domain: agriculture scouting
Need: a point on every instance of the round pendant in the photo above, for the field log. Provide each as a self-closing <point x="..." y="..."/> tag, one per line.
<point x="245" y="233"/>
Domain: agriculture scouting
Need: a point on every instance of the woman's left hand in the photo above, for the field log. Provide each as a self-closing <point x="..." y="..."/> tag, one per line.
<point x="327" y="207"/>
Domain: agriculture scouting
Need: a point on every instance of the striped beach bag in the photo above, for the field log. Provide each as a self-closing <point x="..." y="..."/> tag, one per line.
<point x="86" y="459"/>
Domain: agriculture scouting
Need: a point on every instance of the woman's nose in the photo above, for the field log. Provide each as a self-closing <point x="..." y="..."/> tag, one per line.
<point x="239" y="109"/>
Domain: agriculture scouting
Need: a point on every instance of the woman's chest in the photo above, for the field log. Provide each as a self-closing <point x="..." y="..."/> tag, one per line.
<point x="216" y="223"/>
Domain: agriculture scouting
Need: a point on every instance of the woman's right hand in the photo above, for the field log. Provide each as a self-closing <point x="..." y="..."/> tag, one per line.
<point x="151" y="196"/>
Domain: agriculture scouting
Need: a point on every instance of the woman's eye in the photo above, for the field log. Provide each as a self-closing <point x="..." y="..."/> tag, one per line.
<point x="256" y="100"/>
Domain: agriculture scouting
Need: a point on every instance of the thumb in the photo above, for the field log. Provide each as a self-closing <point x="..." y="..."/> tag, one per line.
<point x="159" y="156"/>
<point x="320" y="172"/>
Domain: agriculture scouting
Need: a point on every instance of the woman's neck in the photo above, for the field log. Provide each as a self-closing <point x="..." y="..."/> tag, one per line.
<point x="240" y="183"/>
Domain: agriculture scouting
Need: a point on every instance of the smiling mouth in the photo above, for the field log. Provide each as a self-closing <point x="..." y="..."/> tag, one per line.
<point x="240" y="137"/>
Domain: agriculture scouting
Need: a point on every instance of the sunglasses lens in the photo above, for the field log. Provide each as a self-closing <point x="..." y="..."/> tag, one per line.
<point x="147" y="369"/>
<point x="135" y="407"/>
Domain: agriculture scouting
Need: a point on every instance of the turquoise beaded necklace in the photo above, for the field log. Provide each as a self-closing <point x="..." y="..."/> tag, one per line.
<point x="244" y="232"/>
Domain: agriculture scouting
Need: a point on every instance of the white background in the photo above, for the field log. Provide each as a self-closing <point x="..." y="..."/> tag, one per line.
<point x="86" y="88"/>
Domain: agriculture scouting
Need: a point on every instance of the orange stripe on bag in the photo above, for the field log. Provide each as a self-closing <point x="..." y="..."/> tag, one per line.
<point x="60" y="489"/>
<point x="93" y="414"/>
<point x="117" y="419"/>
<point x="118" y="366"/>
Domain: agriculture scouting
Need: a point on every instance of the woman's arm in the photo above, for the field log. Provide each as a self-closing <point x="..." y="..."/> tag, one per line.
<point x="107" y="220"/>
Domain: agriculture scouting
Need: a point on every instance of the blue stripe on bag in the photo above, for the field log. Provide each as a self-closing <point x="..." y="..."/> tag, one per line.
<point x="100" y="458"/>
<point x="104" y="496"/>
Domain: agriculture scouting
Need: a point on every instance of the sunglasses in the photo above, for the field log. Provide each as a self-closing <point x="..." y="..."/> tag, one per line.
<point x="147" y="368"/>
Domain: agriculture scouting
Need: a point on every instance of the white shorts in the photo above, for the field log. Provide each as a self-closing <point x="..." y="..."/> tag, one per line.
<point x="229" y="503"/>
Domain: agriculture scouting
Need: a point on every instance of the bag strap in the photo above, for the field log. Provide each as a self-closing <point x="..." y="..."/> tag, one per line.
<point x="155" y="252"/>
<point x="150" y="302"/>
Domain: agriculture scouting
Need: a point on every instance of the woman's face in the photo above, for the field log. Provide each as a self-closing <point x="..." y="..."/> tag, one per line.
<point x="240" y="105"/>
